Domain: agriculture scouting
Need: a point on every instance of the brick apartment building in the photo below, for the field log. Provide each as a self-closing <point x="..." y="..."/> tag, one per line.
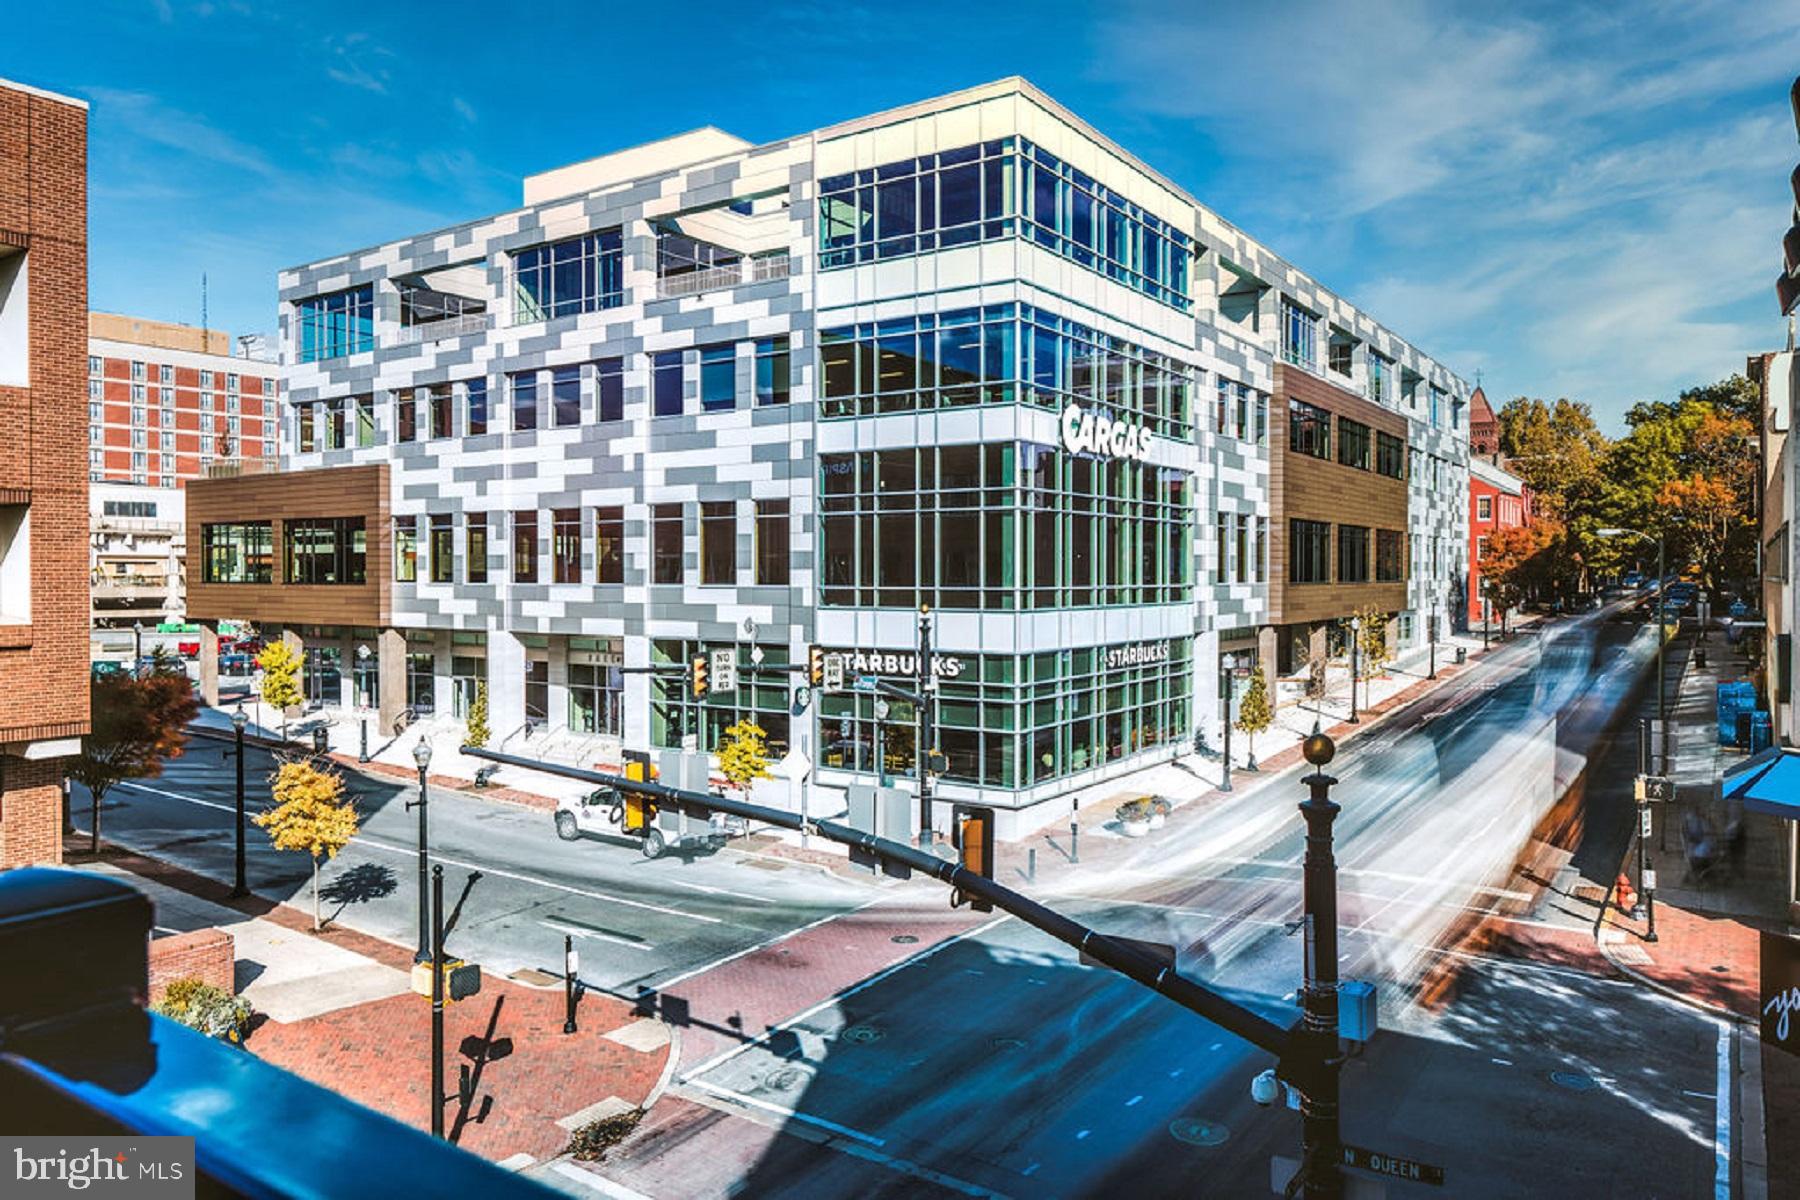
<point x="167" y="400"/>
<point x="43" y="488"/>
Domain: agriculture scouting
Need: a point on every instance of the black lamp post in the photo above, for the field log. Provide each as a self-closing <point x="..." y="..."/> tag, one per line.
<point x="362" y="670"/>
<point x="137" y="648"/>
<point x="238" y="887"/>
<point x="1225" y="690"/>
<point x="422" y="756"/>
<point x="1355" y="663"/>
<point x="1431" y="624"/>
<point x="1319" y="1134"/>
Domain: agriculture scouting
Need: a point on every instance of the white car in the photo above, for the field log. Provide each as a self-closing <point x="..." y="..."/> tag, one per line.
<point x="602" y="811"/>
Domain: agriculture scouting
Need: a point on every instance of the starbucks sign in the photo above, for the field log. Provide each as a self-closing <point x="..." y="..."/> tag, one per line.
<point x="1084" y="432"/>
<point x="1137" y="654"/>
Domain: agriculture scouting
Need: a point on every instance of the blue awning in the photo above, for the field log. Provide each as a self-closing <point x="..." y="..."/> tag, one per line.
<point x="1768" y="782"/>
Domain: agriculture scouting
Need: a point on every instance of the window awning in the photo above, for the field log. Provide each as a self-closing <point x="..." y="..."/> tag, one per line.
<point x="1768" y="782"/>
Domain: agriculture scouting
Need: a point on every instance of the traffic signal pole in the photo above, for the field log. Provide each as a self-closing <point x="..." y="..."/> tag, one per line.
<point x="927" y="681"/>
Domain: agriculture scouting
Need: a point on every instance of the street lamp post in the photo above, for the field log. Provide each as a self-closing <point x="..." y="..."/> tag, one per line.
<point x="238" y="719"/>
<point x="1225" y="690"/>
<point x="1431" y="623"/>
<point x="137" y="648"/>
<point x="362" y="662"/>
<point x="422" y="756"/>
<point x="1662" y="617"/>
<point x="881" y="716"/>
<point x="436" y="959"/>
<point x="1355" y="663"/>
<point x="1319" y="1135"/>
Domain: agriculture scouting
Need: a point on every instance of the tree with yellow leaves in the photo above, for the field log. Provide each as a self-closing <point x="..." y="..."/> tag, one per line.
<point x="280" y="665"/>
<point x="310" y="813"/>
<point x="744" y="755"/>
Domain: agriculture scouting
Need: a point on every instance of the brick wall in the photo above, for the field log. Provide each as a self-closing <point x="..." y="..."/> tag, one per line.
<point x="30" y="812"/>
<point x="205" y="954"/>
<point x="43" y="458"/>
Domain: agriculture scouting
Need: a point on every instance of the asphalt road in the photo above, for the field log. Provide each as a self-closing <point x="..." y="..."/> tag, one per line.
<point x="515" y="890"/>
<point x="998" y="1065"/>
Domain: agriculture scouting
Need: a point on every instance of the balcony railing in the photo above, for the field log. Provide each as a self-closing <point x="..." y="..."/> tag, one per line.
<point x="712" y="279"/>
<point x="230" y="468"/>
<point x="449" y="327"/>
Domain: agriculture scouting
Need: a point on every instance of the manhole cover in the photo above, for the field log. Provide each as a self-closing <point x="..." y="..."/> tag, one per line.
<point x="1196" y="1132"/>
<point x="1575" y="1081"/>
<point x="784" y="1079"/>
<point x="903" y="939"/>
<point x="1007" y="1043"/>
<point x="861" y="1033"/>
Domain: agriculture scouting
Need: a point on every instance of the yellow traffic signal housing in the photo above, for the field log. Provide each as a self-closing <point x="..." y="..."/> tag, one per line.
<point x="640" y="812"/>
<point x="697" y="678"/>
<point x="975" y="849"/>
<point x="815" y="666"/>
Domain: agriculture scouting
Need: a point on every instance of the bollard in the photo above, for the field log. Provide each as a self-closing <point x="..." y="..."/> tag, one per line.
<point x="1031" y="865"/>
<point x="570" y="964"/>
<point x="1074" y="841"/>
<point x="362" y="755"/>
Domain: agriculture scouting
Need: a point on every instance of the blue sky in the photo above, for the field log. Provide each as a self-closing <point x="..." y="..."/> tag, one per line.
<point x="1571" y="199"/>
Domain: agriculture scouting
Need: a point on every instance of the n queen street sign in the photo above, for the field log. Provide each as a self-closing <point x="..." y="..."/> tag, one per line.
<point x="1087" y="433"/>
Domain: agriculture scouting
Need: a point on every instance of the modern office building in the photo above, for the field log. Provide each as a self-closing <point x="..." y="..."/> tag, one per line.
<point x="967" y="355"/>
<point x="166" y="402"/>
<point x="43" y="489"/>
<point x="137" y="555"/>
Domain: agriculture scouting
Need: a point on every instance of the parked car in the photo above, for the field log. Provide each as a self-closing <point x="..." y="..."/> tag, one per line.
<point x="107" y="669"/>
<point x="236" y="664"/>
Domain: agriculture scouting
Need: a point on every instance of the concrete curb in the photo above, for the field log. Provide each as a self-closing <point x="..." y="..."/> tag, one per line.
<point x="668" y="1072"/>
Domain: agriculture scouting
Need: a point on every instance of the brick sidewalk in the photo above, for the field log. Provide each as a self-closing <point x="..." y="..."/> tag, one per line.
<point x="528" y="1074"/>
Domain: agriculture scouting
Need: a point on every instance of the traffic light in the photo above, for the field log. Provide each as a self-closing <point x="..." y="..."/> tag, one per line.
<point x="937" y="764"/>
<point x="815" y="666"/>
<point x="697" y="677"/>
<point x="640" y="812"/>
<point x="975" y="850"/>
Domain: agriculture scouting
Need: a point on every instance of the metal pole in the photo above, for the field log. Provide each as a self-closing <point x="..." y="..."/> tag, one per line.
<point x="1319" y="1022"/>
<point x="424" y="951"/>
<point x="362" y="755"/>
<point x="238" y="887"/>
<point x="880" y="754"/>
<point x="437" y="1002"/>
<point x="1432" y="647"/>
<point x="1031" y="865"/>
<point x="568" y="984"/>
<point x="922" y="751"/>
<point x="1662" y="687"/>
<point x="1225" y="698"/>
<point x="1355" y="668"/>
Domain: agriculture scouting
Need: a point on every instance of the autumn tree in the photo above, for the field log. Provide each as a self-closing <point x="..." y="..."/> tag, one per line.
<point x="280" y="665"/>
<point x="309" y="813"/>
<point x="1372" y="640"/>
<point x="744" y="754"/>
<point x="137" y="722"/>
<point x="1556" y="448"/>
<point x="477" y="734"/>
<point x="1255" y="713"/>
<point x="1519" y="562"/>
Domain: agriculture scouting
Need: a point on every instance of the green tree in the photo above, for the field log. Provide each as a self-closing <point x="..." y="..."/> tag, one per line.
<point x="1556" y="448"/>
<point x="744" y="754"/>
<point x="136" y="724"/>
<point x="280" y="665"/>
<point x="310" y="814"/>
<point x="477" y="733"/>
<point x="1255" y="713"/>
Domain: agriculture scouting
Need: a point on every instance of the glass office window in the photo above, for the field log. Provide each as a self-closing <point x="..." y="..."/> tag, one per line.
<point x="1353" y="554"/>
<point x="475" y="402"/>
<point x="665" y="548"/>
<point x="334" y="424"/>
<point x="1388" y="565"/>
<point x="609" y="388"/>
<point x="1390" y="455"/>
<point x="1353" y="443"/>
<point x="718" y="377"/>
<point x="609" y="544"/>
<point x="772" y="541"/>
<point x="718" y="542"/>
<point x="918" y="205"/>
<point x="524" y="400"/>
<point x="438" y="398"/>
<point x="525" y="547"/>
<point x="406" y="416"/>
<point x="334" y="325"/>
<point x="761" y="697"/>
<point x="324" y="550"/>
<point x="565" y="545"/>
<point x="1299" y="333"/>
<point x="666" y="384"/>
<point x="306" y="427"/>
<point x="565" y="396"/>
<point x="406" y="549"/>
<point x="772" y="370"/>
<point x="576" y="275"/>
<point x="1309" y="551"/>
<point x="365" y="421"/>
<point x="596" y="697"/>
<point x="421" y="681"/>
<point x="475" y="547"/>
<point x="1309" y="429"/>
<point x="237" y="552"/>
<point x="443" y="548"/>
<point x="1081" y="219"/>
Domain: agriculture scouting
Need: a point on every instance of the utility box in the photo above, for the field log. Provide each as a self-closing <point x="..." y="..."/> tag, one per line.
<point x="1357" y="1011"/>
<point x="885" y="812"/>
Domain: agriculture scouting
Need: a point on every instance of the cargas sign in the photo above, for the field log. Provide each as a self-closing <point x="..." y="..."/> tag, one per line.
<point x="1087" y="433"/>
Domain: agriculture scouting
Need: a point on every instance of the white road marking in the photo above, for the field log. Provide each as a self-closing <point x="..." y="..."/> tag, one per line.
<point x="578" y="931"/>
<point x="782" y="1110"/>
<point x="710" y="889"/>
<point x="599" y="1183"/>
<point x="412" y="851"/>
<point x="1133" y="1101"/>
<point x="1175" y="1074"/>
<point x="1081" y="1135"/>
<point x="1696" y="1095"/>
<point x="1216" y="1045"/>
<point x="726" y="1056"/>
<point x="1028" y="1170"/>
<point x="1722" y="1122"/>
<point x="1502" y="1062"/>
<point x="684" y="976"/>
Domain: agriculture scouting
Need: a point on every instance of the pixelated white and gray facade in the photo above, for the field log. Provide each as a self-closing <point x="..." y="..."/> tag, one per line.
<point x="1073" y="647"/>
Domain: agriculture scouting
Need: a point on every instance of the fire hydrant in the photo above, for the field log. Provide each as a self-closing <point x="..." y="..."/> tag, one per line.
<point x="1624" y="895"/>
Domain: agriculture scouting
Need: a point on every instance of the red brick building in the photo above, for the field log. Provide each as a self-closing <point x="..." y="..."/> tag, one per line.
<point x="166" y="400"/>
<point x="43" y="485"/>
<point x="1497" y="500"/>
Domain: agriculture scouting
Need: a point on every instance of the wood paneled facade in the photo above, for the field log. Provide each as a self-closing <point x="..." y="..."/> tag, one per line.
<point x="294" y="495"/>
<point x="1307" y="488"/>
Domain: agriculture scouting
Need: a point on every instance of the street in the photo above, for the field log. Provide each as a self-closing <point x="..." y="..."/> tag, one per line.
<point x="991" y="1062"/>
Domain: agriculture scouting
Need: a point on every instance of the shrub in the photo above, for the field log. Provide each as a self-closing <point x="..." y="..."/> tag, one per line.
<point x="1134" y="810"/>
<point x="591" y="1142"/>
<point x="212" y="1011"/>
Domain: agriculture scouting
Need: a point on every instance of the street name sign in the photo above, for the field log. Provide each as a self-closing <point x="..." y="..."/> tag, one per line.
<point x="1392" y="1166"/>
